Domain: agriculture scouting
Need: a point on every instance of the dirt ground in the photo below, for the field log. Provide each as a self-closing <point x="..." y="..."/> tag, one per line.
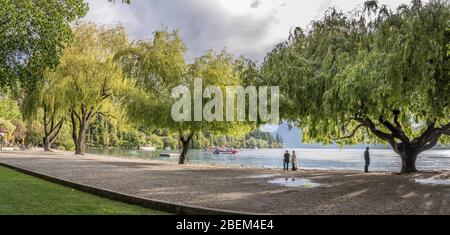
<point x="246" y="189"/>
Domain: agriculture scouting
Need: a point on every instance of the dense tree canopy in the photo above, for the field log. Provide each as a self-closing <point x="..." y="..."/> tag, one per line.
<point x="158" y="66"/>
<point x="374" y="74"/>
<point x="32" y="37"/>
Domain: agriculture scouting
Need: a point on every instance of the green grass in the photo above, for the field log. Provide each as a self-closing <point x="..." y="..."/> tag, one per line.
<point x="22" y="194"/>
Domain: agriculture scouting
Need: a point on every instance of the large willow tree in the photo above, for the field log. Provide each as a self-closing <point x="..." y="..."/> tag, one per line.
<point x="370" y="75"/>
<point x="88" y="78"/>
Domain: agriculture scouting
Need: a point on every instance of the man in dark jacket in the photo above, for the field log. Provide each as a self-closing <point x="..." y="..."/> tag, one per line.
<point x="367" y="160"/>
<point x="286" y="160"/>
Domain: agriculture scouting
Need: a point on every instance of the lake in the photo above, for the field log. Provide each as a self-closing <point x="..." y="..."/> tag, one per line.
<point x="330" y="159"/>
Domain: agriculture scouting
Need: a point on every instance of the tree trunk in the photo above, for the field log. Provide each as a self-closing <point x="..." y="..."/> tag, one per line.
<point x="408" y="162"/>
<point x="407" y="149"/>
<point x="78" y="132"/>
<point x="408" y="152"/>
<point x="51" y="130"/>
<point x="184" y="152"/>
<point x="80" y="123"/>
<point x="80" y="148"/>
<point x="46" y="144"/>
<point x="80" y="143"/>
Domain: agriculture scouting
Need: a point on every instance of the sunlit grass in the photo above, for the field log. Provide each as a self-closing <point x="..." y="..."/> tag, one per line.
<point x="23" y="194"/>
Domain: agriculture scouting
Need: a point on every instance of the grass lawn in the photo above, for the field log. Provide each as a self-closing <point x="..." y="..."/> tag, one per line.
<point x="22" y="194"/>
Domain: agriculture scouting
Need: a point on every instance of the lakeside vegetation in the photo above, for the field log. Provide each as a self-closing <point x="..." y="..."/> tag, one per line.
<point x="105" y="133"/>
<point x="374" y="75"/>
<point x="21" y="194"/>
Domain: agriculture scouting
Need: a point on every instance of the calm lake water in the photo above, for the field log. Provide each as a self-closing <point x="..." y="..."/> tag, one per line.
<point x="332" y="159"/>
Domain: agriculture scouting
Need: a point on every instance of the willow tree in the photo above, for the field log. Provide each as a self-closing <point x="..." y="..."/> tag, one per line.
<point x="374" y="74"/>
<point x="46" y="102"/>
<point x="157" y="67"/>
<point x="32" y="37"/>
<point x="89" y="78"/>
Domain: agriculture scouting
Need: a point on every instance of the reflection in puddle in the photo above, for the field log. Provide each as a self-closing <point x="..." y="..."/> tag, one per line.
<point x="294" y="182"/>
<point x="433" y="181"/>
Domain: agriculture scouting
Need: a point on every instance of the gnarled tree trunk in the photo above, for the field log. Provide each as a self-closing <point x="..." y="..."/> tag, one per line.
<point x="401" y="144"/>
<point x="408" y="155"/>
<point x="80" y="122"/>
<point x="51" y="130"/>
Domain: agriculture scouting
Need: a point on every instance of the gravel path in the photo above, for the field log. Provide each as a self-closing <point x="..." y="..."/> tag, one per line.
<point x="245" y="189"/>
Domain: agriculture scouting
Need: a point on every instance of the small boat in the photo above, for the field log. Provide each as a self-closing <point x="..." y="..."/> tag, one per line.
<point x="225" y="151"/>
<point x="169" y="155"/>
<point x="147" y="148"/>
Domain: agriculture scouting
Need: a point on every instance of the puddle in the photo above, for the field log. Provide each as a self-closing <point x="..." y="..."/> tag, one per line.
<point x="294" y="182"/>
<point x="262" y="176"/>
<point x="433" y="181"/>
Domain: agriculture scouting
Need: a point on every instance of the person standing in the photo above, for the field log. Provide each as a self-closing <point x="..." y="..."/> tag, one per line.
<point x="294" y="161"/>
<point x="366" y="160"/>
<point x="286" y="161"/>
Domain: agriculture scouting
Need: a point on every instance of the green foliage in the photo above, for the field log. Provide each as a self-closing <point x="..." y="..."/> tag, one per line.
<point x="171" y="142"/>
<point x="159" y="65"/>
<point x="32" y="37"/>
<point x="155" y="141"/>
<point x="9" y="109"/>
<point x="35" y="131"/>
<point x="156" y="65"/>
<point x="20" y="132"/>
<point x="255" y="139"/>
<point x="361" y="69"/>
<point x="7" y="126"/>
<point x="10" y="118"/>
<point x="64" y="140"/>
<point x="88" y="78"/>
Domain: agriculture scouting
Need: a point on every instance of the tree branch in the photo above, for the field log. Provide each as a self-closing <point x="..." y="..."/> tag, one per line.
<point x="58" y="129"/>
<point x="74" y="126"/>
<point x="367" y="122"/>
<point x="396" y="122"/>
<point x="352" y="134"/>
<point x="445" y="129"/>
<point x="45" y="121"/>
<point x="52" y="121"/>
<point x="396" y="131"/>
<point x="388" y="125"/>
<point x="76" y="115"/>
<point x="425" y="136"/>
<point x="432" y="141"/>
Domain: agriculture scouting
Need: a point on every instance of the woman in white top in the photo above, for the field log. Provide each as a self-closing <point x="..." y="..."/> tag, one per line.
<point x="294" y="161"/>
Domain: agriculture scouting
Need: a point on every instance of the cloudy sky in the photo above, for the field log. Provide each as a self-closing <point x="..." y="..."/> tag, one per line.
<point x="245" y="27"/>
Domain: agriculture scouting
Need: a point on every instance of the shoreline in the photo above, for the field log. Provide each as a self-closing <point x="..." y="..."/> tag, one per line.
<point x="220" y="165"/>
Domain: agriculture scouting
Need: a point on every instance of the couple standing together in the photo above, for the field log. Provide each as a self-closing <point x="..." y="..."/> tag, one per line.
<point x="290" y="158"/>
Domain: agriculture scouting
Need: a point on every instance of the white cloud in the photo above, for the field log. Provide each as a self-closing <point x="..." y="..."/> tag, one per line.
<point x="248" y="27"/>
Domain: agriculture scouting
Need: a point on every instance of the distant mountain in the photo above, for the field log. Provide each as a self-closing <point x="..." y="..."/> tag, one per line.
<point x="292" y="138"/>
